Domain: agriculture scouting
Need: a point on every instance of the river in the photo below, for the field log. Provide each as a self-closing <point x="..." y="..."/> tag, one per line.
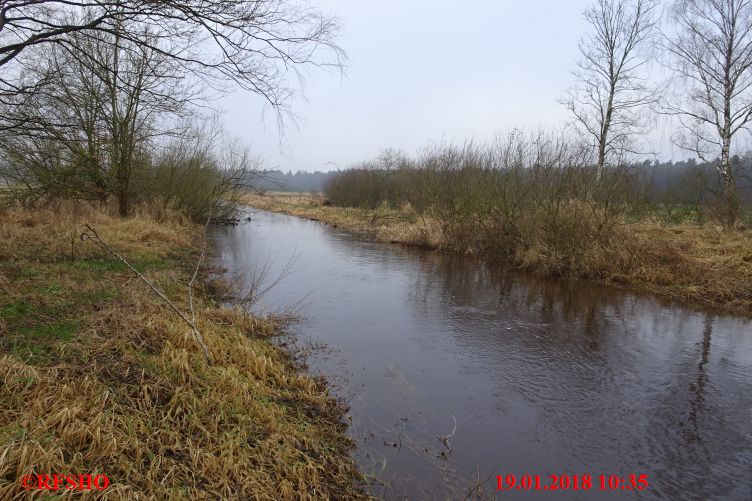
<point x="456" y="371"/>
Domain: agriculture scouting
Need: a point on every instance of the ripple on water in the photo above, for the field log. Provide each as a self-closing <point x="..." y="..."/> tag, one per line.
<point x="540" y="376"/>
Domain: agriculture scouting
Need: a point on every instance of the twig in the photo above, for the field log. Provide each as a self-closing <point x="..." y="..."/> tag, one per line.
<point x="94" y="237"/>
<point x="478" y="484"/>
<point x="259" y="287"/>
<point x="446" y="438"/>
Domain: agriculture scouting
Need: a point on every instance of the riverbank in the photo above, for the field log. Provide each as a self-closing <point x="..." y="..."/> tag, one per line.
<point x="693" y="263"/>
<point x="99" y="375"/>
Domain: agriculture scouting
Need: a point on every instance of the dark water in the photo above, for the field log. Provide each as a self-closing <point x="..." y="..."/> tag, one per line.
<point x="541" y="377"/>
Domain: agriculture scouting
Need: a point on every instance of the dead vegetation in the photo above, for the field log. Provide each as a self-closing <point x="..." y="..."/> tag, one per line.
<point x="383" y="223"/>
<point x="698" y="263"/>
<point x="98" y="375"/>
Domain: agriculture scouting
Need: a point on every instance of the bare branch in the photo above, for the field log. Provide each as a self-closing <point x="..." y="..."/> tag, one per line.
<point x="92" y="235"/>
<point x="257" y="45"/>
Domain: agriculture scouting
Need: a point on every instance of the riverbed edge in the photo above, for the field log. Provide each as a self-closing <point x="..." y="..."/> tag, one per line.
<point x="695" y="265"/>
<point x="134" y="399"/>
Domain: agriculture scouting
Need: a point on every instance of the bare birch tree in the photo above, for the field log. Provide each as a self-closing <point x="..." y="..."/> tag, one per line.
<point x="710" y="50"/>
<point x="610" y="89"/>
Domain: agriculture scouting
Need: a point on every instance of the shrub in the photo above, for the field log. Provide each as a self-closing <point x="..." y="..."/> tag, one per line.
<point x="501" y="199"/>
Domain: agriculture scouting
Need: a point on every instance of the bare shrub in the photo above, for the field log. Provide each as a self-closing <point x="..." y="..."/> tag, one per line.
<point x="199" y="170"/>
<point x="546" y="194"/>
<point x="519" y="194"/>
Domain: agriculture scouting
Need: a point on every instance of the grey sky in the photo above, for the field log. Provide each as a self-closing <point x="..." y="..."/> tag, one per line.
<point x="421" y="71"/>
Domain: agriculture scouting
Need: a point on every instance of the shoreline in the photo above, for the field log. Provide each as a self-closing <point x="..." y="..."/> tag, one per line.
<point x="691" y="264"/>
<point x="134" y="399"/>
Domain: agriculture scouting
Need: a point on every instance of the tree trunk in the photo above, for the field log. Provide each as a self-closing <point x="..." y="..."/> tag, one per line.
<point x="122" y="192"/>
<point x="601" y="159"/>
<point x="605" y="128"/>
<point x="729" y="197"/>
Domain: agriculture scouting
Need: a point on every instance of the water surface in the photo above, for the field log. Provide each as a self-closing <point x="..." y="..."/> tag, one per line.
<point x="456" y="371"/>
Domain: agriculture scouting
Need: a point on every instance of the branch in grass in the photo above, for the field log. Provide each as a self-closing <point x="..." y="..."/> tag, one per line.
<point x="91" y="234"/>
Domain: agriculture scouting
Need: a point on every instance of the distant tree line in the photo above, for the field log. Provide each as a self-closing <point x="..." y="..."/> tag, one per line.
<point x="693" y="183"/>
<point x="300" y="181"/>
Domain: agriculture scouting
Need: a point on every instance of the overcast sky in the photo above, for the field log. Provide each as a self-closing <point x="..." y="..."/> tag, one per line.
<point x="421" y="71"/>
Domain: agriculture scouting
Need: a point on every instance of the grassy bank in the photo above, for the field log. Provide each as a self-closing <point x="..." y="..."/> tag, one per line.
<point x="689" y="262"/>
<point x="97" y="375"/>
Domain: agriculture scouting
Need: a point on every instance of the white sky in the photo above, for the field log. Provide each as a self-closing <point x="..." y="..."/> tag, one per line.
<point x="423" y="71"/>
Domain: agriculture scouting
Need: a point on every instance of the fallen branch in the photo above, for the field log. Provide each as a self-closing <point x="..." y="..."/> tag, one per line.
<point x="91" y="234"/>
<point x="198" y="265"/>
<point x="259" y="286"/>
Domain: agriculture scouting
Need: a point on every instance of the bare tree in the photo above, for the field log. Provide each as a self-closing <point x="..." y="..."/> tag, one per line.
<point x="95" y="123"/>
<point x="254" y="43"/>
<point x="711" y="53"/>
<point x="200" y="169"/>
<point x="140" y="87"/>
<point x="610" y="88"/>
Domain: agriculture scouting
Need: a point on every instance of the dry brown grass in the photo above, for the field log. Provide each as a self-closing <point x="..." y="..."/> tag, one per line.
<point x="382" y="224"/>
<point x="701" y="263"/>
<point x="98" y="376"/>
<point x="695" y="263"/>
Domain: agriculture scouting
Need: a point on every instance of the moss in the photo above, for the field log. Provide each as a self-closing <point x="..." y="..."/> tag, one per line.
<point x="56" y="331"/>
<point x="105" y="265"/>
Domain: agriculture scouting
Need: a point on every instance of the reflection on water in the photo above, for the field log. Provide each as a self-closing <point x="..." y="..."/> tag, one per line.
<point x="456" y="371"/>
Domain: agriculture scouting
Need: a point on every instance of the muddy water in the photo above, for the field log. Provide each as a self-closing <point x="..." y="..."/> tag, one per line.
<point x="519" y="375"/>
